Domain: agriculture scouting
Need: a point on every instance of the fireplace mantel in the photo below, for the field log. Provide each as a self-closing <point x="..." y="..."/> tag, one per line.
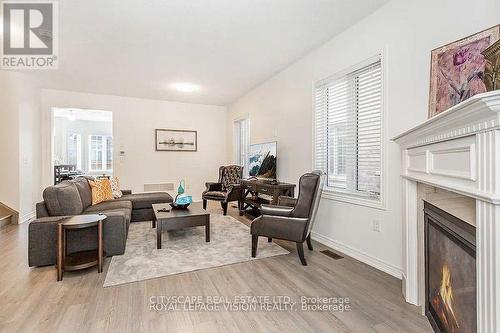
<point x="459" y="151"/>
<point x="475" y="115"/>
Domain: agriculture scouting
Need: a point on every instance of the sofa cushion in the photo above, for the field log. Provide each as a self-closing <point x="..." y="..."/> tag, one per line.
<point x="41" y="210"/>
<point x="83" y="186"/>
<point x="215" y="194"/>
<point x="115" y="187"/>
<point x="101" y="190"/>
<point x="109" y="205"/>
<point x="123" y="212"/>
<point x="145" y="200"/>
<point x="63" y="199"/>
<point x="42" y="240"/>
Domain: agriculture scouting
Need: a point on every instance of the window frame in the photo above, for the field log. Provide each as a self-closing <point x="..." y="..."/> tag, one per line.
<point x="78" y="152"/>
<point x="237" y="142"/>
<point x="104" y="161"/>
<point x="338" y="194"/>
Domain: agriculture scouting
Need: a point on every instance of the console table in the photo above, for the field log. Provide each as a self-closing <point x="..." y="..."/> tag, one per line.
<point x="255" y="187"/>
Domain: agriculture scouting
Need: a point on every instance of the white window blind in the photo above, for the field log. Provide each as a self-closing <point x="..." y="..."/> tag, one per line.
<point x="348" y="131"/>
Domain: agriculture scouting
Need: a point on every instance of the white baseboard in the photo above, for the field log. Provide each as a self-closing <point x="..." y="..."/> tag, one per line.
<point x="27" y="217"/>
<point x="359" y="255"/>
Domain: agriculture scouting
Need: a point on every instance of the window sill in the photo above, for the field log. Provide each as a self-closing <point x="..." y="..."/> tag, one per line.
<point x="355" y="200"/>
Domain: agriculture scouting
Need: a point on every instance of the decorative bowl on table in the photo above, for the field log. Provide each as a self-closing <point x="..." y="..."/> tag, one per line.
<point x="175" y="205"/>
<point x="182" y="201"/>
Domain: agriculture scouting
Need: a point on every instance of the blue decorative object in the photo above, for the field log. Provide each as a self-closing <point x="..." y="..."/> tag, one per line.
<point x="181" y="200"/>
<point x="182" y="186"/>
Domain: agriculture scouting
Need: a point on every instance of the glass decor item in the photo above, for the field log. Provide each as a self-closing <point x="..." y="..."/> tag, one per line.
<point x="181" y="200"/>
<point x="182" y="186"/>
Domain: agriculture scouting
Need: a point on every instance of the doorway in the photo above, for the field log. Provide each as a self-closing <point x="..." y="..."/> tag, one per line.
<point x="82" y="143"/>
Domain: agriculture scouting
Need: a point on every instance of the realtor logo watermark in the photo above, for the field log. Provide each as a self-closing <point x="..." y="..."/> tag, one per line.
<point x="29" y="35"/>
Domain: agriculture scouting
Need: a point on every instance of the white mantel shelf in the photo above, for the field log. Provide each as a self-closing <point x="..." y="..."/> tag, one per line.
<point x="477" y="114"/>
<point x="457" y="150"/>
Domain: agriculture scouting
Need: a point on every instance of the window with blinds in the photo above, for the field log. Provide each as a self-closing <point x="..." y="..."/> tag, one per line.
<point x="348" y="118"/>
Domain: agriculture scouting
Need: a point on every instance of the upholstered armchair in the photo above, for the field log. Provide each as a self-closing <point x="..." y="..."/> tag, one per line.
<point x="292" y="219"/>
<point x="227" y="189"/>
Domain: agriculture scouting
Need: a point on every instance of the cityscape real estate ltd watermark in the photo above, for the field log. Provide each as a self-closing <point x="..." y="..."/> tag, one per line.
<point x="29" y="35"/>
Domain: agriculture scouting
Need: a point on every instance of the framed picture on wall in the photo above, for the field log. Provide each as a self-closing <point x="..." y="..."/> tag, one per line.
<point x="176" y="140"/>
<point x="457" y="70"/>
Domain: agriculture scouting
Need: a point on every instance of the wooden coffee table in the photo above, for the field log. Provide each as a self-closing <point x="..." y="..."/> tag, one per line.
<point x="82" y="259"/>
<point x="175" y="219"/>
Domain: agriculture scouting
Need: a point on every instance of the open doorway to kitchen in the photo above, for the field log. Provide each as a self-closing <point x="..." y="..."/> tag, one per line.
<point x="82" y="143"/>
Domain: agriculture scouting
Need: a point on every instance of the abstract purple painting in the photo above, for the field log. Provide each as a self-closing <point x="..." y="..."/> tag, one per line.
<point x="457" y="70"/>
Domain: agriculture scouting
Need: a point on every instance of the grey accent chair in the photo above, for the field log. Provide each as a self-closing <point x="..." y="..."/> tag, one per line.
<point x="292" y="219"/>
<point x="227" y="189"/>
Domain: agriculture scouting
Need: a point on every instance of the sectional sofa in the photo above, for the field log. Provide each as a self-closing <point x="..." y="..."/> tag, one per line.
<point x="74" y="197"/>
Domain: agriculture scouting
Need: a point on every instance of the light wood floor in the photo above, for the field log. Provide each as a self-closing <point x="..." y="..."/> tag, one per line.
<point x="32" y="301"/>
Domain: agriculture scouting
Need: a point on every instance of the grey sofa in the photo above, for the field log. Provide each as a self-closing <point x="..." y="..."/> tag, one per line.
<point x="74" y="197"/>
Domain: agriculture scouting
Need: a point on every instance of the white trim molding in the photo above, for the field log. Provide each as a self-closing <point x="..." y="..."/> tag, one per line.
<point x="27" y="217"/>
<point x="358" y="255"/>
<point x="459" y="151"/>
<point x="354" y="199"/>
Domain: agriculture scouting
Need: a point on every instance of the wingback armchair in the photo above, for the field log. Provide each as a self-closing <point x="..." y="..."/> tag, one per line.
<point x="292" y="219"/>
<point x="227" y="189"/>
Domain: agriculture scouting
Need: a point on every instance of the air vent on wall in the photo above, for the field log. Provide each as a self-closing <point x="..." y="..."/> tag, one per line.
<point x="162" y="187"/>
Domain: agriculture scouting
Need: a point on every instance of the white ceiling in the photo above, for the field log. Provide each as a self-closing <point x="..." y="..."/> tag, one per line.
<point x="139" y="48"/>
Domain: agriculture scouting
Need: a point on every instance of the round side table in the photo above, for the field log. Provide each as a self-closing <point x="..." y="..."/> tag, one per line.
<point x="82" y="259"/>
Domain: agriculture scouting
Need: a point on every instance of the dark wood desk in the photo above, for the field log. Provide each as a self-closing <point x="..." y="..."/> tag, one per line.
<point x="256" y="187"/>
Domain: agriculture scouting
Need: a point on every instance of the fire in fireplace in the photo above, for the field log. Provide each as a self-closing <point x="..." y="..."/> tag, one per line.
<point x="450" y="270"/>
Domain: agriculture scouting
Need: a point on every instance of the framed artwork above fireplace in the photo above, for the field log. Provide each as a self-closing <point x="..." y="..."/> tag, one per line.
<point x="457" y="70"/>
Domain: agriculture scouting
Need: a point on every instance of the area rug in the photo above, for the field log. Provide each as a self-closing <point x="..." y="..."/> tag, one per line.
<point x="184" y="250"/>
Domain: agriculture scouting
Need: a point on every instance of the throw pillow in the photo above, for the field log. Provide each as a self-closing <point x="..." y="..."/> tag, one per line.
<point x="101" y="190"/>
<point x="115" y="188"/>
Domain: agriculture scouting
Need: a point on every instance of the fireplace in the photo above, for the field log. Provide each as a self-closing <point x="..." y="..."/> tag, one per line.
<point x="457" y="151"/>
<point x="450" y="271"/>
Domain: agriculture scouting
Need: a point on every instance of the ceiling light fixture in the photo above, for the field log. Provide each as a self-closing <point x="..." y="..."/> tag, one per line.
<point x="71" y="116"/>
<point x="186" y="87"/>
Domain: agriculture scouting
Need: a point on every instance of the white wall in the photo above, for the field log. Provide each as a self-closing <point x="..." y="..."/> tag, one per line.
<point x="9" y="142"/>
<point x="134" y="124"/>
<point x="20" y="147"/>
<point x="281" y="109"/>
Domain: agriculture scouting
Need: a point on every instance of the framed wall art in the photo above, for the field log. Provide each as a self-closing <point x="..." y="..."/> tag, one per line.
<point x="457" y="70"/>
<point x="176" y="140"/>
